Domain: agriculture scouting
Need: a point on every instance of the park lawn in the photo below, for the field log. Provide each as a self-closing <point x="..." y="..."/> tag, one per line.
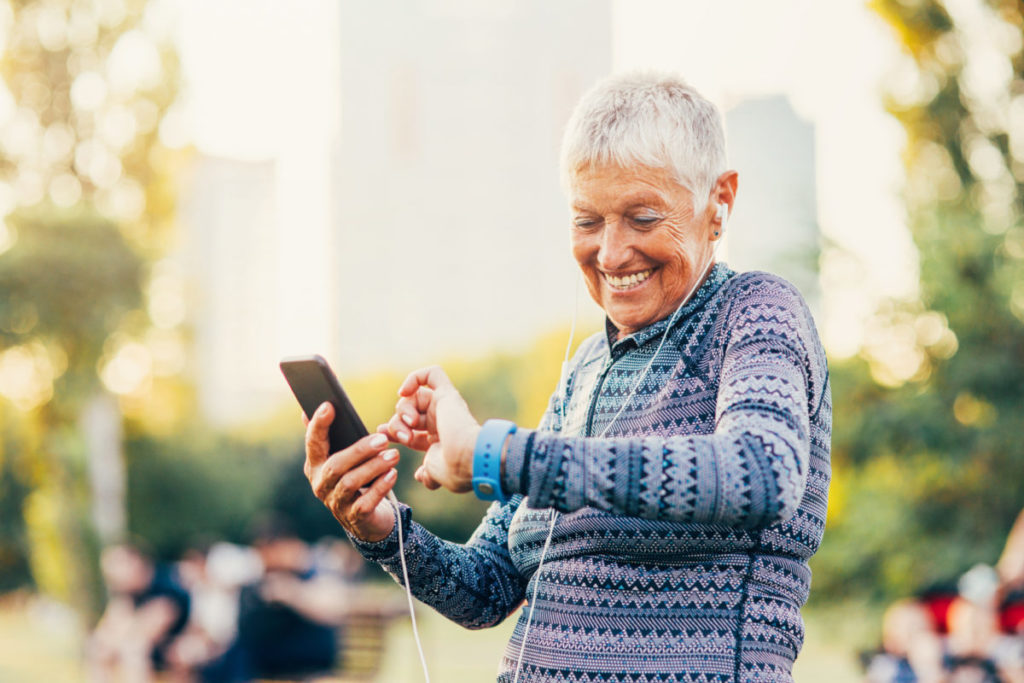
<point x="39" y="642"/>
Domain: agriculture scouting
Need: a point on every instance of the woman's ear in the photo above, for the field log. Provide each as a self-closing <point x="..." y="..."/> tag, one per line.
<point x="723" y="196"/>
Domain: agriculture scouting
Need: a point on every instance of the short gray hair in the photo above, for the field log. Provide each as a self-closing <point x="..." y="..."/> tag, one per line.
<point x="652" y="119"/>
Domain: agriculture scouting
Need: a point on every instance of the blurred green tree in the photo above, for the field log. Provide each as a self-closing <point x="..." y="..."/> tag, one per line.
<point x="68" y="281"/>
<point x="199" y="486"/>
<point x="929" y="470"/>
<point x="87" y="203"/>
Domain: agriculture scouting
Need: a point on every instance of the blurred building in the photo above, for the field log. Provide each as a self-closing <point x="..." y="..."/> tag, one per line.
<point x="452" y="230"/>
<point x="229" y="260"/>
<point x="774" y="226"/>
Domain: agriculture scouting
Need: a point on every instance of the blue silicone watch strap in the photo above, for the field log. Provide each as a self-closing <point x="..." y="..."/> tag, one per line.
<point x="487" y="459"/>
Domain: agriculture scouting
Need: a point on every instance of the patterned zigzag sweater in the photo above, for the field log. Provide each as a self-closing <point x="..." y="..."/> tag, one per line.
<point x="683" y="527"/>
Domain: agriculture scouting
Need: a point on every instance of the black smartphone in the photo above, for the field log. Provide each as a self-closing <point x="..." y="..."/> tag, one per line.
<point x="313" y="382"/>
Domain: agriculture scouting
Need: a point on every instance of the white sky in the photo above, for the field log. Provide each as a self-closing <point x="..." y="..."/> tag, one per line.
<point x="249" y="67"/>
<point x="248" y="76"/>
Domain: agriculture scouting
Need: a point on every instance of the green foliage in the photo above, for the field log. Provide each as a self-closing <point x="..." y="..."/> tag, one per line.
<point x="70" y="280"/>
<point x="194" y="487"/>
<point x="291" y="498"/>
<point x="927" y="473"/>
<point x="74" y="270"/>
<point x="81" y="161"/>
<point x="101" y="147"/>
<point x="14" y="568"/>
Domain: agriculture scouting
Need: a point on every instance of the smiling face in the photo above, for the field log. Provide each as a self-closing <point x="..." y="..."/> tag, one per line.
<point x="638" y="241"/>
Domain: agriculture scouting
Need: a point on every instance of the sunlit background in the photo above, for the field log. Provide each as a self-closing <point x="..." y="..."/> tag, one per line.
<point x="192" y="189"/>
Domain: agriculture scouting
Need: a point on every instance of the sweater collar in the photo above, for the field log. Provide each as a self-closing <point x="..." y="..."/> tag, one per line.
<point x="720" y="272"/>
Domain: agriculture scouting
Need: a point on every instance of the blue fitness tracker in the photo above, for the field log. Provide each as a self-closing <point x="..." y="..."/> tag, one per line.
<point x="487" y="459"/>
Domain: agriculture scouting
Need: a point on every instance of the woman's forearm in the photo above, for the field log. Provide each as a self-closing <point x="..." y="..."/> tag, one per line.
<point x="750" y="472"/>
<point x="474" y="584"/>
<point x="741" y="477"/>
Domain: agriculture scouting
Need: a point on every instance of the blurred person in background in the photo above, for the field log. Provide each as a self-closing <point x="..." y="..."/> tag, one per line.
<point x="289" y="620"/>
<point x="145" y="611"/>
<point x="678" y="482"/>
<point x="976" y="652"/>
<point x="969" y="632"/>
<point x="338" y="557"/>
<point x="206" y="650"/>
<point x="911" y="647"/>
<point x="1011" y="580"/>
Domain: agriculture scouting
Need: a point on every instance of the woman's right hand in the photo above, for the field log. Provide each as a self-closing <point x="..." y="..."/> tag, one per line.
<point x="353" y="482"/>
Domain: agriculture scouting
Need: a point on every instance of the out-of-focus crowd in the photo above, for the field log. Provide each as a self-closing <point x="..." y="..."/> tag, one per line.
<point x="225" y="613"/>
<point x="278" y="608"/>
<point x="969" y="631"/>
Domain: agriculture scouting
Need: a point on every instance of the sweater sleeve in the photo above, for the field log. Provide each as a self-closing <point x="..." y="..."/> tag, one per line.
<point x="750" y="472"/>
<point x="474" y="584"/>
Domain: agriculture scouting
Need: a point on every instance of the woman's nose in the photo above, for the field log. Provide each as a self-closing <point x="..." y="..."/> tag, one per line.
<point x="616" y="248"/>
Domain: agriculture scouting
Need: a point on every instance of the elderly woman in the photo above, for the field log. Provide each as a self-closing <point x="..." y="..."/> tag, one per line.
<point x="659" y="520"/>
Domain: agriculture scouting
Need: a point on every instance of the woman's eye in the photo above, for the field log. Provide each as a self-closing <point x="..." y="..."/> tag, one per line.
<point x="646" y="221"/>
<point x="584" y="223"/>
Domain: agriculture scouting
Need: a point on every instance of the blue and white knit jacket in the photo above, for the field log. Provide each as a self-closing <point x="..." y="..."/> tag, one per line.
<point x="684" y="527"/>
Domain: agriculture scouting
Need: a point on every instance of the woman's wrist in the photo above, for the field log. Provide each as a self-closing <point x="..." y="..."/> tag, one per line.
<point x="515" y="459"/>
<point x="488" y="455"/>
<point x="504" y="459"/>
<point x="466" y="473"/>
<point x="385" y="548"/>
<point x="373" y="535"/>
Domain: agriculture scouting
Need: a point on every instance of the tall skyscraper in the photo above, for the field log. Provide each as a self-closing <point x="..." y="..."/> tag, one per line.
<point x="452" y="230"/>
<point x="229" y="257"/>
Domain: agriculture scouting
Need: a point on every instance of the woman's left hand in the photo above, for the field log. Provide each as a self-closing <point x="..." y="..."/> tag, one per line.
<point x="431" y="416"/>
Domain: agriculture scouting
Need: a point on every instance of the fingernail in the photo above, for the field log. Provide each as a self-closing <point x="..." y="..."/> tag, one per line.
<point x="407" y="420"/>
<point x="391" y="475"/>
<point x="378" y="440"/>
<point x="322" y="410"/>
<point x="389" y="455"/>
<point x="402" y="436"/>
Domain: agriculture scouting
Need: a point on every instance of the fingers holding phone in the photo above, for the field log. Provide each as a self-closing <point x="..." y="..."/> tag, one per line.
<point x="317" y="444"/>
<point x="408" y="425"/>
<point x="420" y="441"/>
<point x="353" y="482"/>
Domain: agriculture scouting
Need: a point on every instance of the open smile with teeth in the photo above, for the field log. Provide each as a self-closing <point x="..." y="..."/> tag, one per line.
<point x="628" y="281"/>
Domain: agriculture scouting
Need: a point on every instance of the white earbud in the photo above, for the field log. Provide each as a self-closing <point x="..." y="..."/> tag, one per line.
<point x="721" y="215"/>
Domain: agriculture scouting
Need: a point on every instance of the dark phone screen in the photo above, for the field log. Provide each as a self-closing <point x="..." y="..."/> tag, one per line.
<point x="313" y="383"/>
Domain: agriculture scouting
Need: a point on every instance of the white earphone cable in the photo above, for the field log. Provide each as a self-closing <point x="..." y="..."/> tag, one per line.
<point x="563" y="378"/>
<point x="533" y="598"/>
<point x="408" y="591"/>
<point x="564" y="405"/>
